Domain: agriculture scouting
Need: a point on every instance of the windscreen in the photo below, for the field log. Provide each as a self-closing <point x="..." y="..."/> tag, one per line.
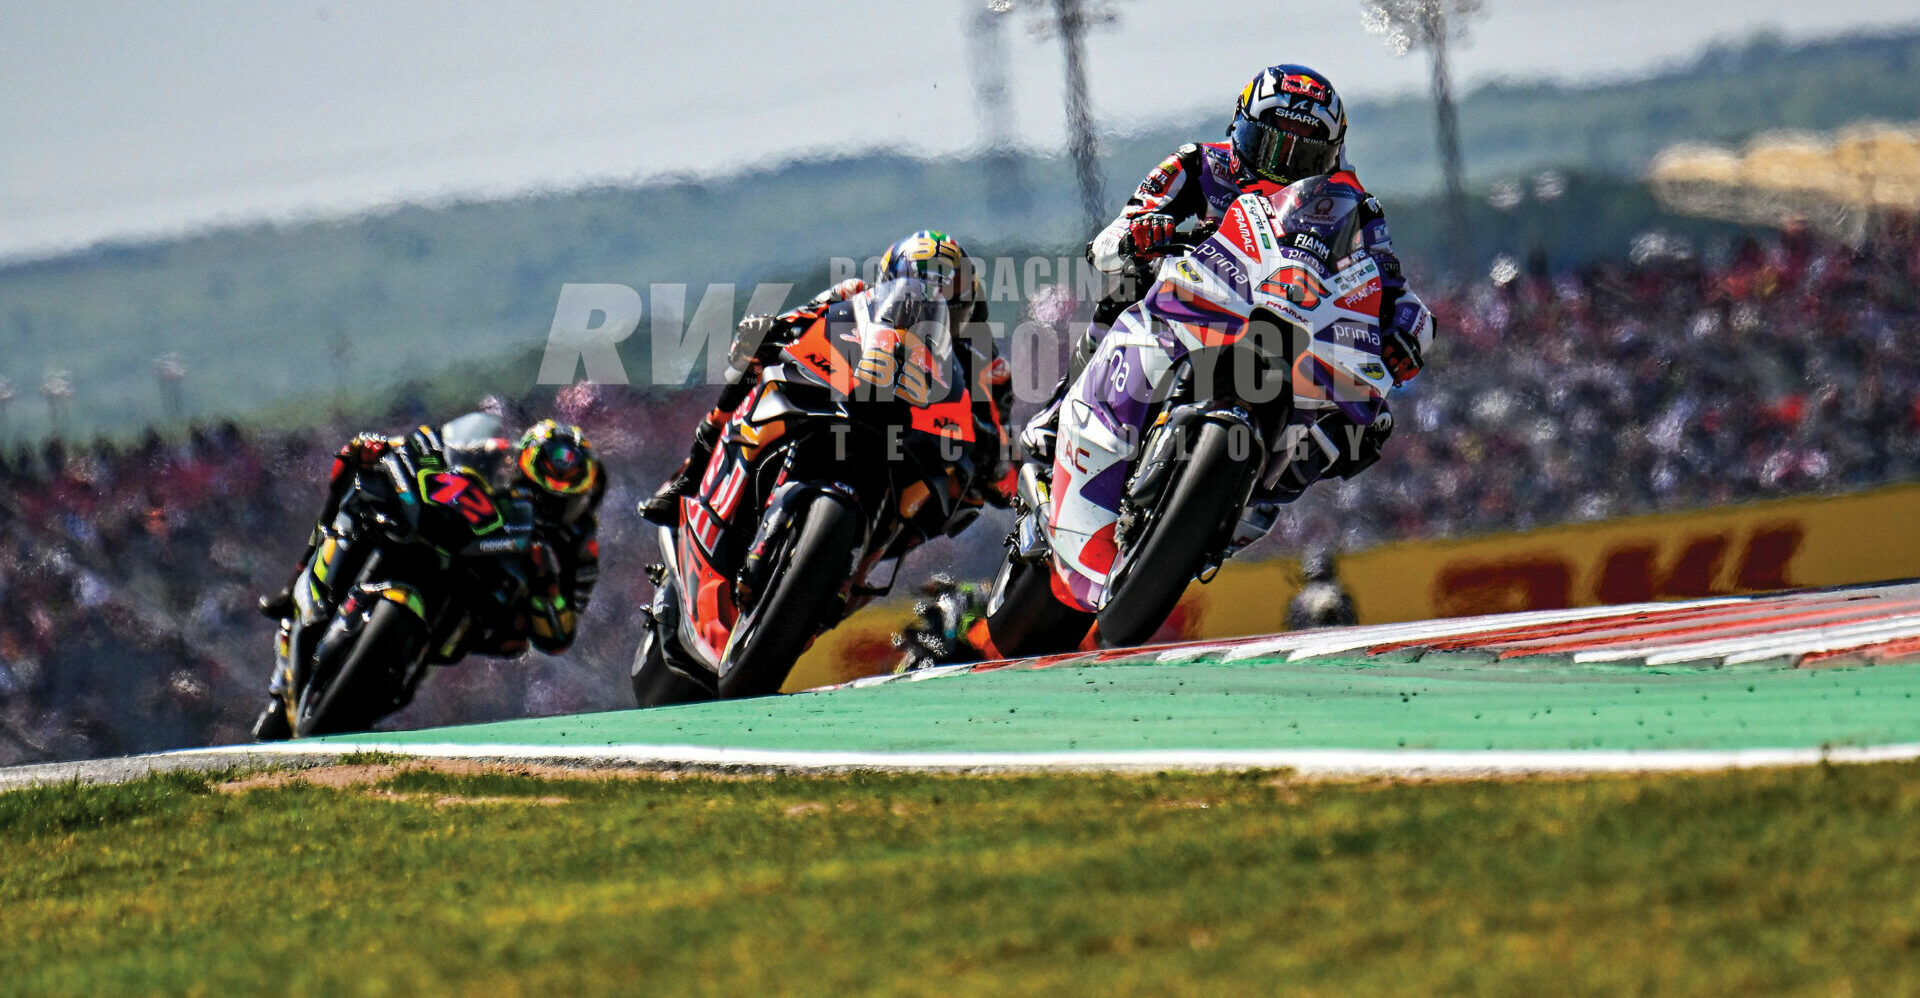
<point x="905" y="319"/>
<point x="476" y="440"/>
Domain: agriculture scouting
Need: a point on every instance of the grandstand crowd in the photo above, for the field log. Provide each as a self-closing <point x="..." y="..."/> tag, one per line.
<point x="1661" y="382"/>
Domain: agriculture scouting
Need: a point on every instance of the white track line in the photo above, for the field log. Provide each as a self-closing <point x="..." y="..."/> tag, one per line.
<point x="1321" y="643"/>
<point x="1311" y="762"/>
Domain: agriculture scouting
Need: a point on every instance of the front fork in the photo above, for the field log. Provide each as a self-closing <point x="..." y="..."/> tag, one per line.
<point x="316" y="592"/>
<point x="1035" y="497"/>
<point x="1168" y="445"/>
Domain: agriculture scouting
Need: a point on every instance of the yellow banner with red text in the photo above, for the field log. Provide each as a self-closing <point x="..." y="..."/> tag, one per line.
<point x="1777" y="544"/>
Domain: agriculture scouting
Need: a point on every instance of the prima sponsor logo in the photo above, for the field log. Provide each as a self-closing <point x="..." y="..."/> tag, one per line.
<point x="1222" y="263"/>
<point x="1355" y="334"/>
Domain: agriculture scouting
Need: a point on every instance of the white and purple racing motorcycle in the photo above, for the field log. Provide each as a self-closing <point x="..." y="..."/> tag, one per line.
<point x="1252" y="361"/>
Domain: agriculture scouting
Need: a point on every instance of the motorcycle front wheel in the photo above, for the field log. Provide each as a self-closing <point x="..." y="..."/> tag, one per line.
<point x="358" y="692"/>
<point x="807" y="579"/>
<point x="1183" y="532"/>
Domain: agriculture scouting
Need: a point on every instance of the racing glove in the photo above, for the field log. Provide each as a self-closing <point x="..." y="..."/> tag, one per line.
<point x="840" y="292"/>
<point x="1149" y="231"/>
<point x="552" y="620"/>
<point x="748" y="337"/>
<point x="1407" y="339"/>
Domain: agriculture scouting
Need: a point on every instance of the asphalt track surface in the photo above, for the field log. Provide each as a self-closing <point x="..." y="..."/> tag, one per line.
<point x="1785" y="679"/>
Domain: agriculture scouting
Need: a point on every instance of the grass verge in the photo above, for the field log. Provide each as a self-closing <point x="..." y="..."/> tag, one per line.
<point x="382" y="879"/>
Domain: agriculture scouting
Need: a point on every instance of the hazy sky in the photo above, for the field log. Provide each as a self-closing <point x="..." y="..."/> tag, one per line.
<point x="134" y="118"/>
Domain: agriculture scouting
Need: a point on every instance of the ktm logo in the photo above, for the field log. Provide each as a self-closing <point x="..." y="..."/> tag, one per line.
<point x="1297" y="285"/>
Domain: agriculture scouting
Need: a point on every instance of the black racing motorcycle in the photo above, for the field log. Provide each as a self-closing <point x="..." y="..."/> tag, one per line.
<point x="426" y="562"/>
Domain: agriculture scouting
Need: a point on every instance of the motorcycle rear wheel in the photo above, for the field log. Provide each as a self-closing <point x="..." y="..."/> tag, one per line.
<point x="1027" y="618"/>
<point x="808" y="578"/>
<point x="1184" y="531"/>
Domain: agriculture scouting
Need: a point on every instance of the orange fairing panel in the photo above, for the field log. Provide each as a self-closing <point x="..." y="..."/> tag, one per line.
<point x="712" y="600"/>
<point x="814" y="353"/>
<point x="952" y="419"/>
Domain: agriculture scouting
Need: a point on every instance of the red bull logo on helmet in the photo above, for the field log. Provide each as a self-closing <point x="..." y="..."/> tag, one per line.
<point x="1304" y="85"/>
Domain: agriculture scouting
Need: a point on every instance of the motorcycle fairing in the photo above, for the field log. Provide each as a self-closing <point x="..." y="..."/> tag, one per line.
<point x="1204" y="300"/>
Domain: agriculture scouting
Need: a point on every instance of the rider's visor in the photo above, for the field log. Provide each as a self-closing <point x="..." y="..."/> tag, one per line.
<point x="1281" y="156"/>
<point x="907" y="303"/>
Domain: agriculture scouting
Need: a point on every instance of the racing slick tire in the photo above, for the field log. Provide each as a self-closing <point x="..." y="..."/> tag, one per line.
<point x="1183" y="533"/>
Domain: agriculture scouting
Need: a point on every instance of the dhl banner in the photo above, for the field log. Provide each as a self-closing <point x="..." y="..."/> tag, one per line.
<point x="1779" y="544"/>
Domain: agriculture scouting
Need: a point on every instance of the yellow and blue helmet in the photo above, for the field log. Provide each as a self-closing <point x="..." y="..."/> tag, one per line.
<point x="936" y="258"/>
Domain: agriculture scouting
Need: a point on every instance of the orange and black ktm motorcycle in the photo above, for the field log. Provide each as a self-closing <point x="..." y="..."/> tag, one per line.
<point x="856" y="445"/>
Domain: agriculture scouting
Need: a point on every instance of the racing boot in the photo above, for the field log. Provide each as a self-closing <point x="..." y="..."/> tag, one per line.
<point x="272" y="725"/>
<point x="664" y="507"/>
<point x="278" y="605"/>
<point x="1037" y="438"/>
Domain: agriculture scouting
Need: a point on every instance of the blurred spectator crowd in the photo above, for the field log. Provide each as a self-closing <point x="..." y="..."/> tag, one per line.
<point x="1655" y="383"/>
<point x="1664" y="381"/>
<point x="129" y="574"/>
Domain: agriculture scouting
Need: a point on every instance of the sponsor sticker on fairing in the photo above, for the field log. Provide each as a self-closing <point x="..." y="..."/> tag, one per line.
<point x="1223" y="263"/>
<point x="1354" y="273"/>
<point x="1362" y="296"/>
<point x="1255" y="207"/>
<point x="1320" y="211"/>
<point x="1234" y="226"/>
<point x="1354" y="334"/>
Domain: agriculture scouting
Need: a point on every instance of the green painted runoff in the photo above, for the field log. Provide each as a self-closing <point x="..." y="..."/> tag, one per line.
<point x="1270" y="705"/>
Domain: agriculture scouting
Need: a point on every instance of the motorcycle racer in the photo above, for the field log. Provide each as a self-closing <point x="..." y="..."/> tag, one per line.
<point x="928" y="255"/>
<point x="1289" y="124"/>
<point x="552" y="466"/>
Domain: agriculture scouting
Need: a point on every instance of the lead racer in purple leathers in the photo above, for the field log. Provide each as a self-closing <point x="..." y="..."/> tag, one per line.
<point x="1288" y="124"/>
<point x="1281" y="321"/>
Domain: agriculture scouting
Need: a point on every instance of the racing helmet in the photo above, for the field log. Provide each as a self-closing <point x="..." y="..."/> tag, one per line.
<point x="557" y="461"/>
<point x="1289" y="124"/>
<point x="936" y="258"/>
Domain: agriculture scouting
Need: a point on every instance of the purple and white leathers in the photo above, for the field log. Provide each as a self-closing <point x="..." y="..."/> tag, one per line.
<point x="1251" y="368"/>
